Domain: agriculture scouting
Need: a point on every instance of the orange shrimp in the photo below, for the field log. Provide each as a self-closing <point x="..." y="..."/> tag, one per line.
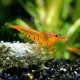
<point x="42" y="38"/>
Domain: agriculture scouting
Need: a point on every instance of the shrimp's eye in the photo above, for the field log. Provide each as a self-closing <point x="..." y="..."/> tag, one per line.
<point x="56" y="35"/>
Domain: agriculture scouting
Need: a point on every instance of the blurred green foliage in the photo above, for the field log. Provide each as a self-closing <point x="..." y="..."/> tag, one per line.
<point x="58" y="16"/>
